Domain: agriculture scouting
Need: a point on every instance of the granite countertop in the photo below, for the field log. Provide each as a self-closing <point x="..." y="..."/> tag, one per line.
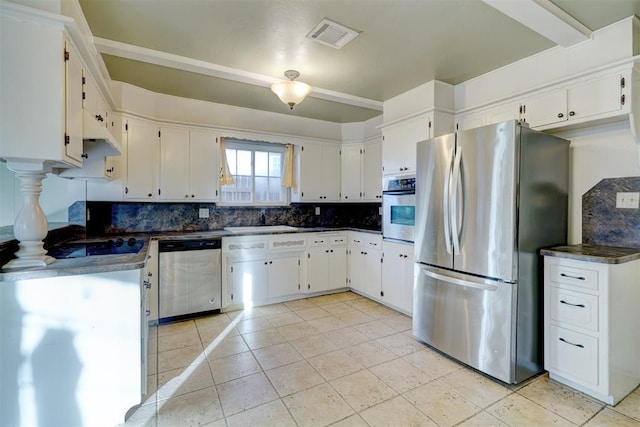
<point x="107" y="263"/>
<point x="593" y="253"/>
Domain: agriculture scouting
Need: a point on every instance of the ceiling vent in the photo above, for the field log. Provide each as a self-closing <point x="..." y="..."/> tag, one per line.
<point x="332" y="34"/>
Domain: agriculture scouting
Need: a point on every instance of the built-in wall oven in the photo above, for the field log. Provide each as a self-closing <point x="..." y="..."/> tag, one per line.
<point x="399" y="207"/>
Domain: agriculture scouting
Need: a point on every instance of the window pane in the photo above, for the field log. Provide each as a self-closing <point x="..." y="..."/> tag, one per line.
<point x="244" y="163"/>
<point x="275" y="190"/>
<point x="262" y="165"/>
<point x="275" y="164"/>
<point x="262" y="189"/>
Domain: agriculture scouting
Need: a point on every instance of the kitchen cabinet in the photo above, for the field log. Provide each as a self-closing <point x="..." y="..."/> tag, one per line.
<point x="590" y="326"/>
<point x="143" y="158"/>
<point x="262" y="268"/>
<point x="364" y="263"/>
<point x="598" y="96"/>
<point x="41" y="93"/>
<point x="362" y="172"/>
<point x="495" y="114"/>
<point x="399" y="140"/>
<point x="188" y="165"/>
<point x="318" y="173"/>
<point x="397" y="276"/>
<point x="351" y="164"/>
<point x="259" y="280"/>
<point x="326" y="262"/>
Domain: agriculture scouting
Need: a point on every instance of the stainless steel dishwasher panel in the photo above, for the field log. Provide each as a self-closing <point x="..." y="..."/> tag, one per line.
<point x="190" y="280"/>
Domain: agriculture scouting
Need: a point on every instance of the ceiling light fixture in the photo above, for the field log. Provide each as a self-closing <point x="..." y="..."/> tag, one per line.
<point x="289" y="91"/>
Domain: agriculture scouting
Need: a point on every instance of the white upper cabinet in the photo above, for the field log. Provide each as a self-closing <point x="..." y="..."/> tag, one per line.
<point x="362" y="172"/>
<point x="318" y="173"/>
<point x="188" y="165"/>
<point x="174" y="164"/>
<point x="372" y="171"/>
<point x="143" y="158"/>
<point x="203" y="165"/>
<point x="41" y="88"/>
<point x="598" y="97"/>
<point x="351" y="160"/>
<point x="399" y="145"/>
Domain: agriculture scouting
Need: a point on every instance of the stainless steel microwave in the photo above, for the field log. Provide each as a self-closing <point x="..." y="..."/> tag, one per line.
<point x="399" y="207"/>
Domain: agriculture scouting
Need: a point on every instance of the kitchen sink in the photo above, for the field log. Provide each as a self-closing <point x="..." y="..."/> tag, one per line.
<point x="261" y="229"/>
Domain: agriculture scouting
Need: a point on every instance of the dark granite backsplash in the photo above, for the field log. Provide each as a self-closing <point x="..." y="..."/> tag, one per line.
<point x="130" y="217"/>
<point x="603" y="223"/>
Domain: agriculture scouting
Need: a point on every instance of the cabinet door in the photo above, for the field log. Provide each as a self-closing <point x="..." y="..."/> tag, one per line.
<point x="351" y="172"/>
<point x="372" y="171"/>
<point x="143" y="152"/>
<point x="311" y="186"/>
<point x="502" y="113"/>
<point x="284" y="277"/>
<point x="249" y="281"/>
<point x="151" y="276"/>
<point x="594" y="97"/>
<point x="546" y="109"/>
<point x="203" y="166"/>
<point x="174" y="164"/>
<point x="73" y="105"/>
<point x="356" y="268"/>
<point x="393" y="275"/>
<point x="471" y="120"/>
<point x="372" y="272"/>
<point x="337" y="267"/>
<point x="331" y="173"/>
<point x="318" y="269"/>
<point x="399" y="146"/>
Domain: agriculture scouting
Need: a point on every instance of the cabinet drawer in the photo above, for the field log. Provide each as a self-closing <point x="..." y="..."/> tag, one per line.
<point x="338" y="240"/>
<point x="574" y="308"/>
<point x="318" y="241"/>
<point x="292" y="241"/>
<point x="573" y="355"/>
<point x="580" y="277"/>
<point x="373" y="242"/>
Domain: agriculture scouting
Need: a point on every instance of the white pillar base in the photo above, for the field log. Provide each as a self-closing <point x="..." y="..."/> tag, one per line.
<point x="30" y="226"/>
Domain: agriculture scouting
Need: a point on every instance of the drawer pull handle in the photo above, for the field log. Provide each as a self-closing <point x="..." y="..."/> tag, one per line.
<point x="570" y="343"/>
<point x="575" y="305"/>
<point x="573" y="277"/>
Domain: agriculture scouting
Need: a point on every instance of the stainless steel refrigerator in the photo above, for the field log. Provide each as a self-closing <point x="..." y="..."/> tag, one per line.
<point x="487" y="200"/>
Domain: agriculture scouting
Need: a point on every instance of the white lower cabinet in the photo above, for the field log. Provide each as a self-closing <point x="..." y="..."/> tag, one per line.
<point x="397" y="276"/>
<point x="326" y="262"/>
<point x="261" y="269"/>
<point x="365" y="263"/>
<point x="591" y="321"/>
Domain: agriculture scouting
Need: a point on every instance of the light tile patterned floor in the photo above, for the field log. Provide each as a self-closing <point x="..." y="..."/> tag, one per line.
<point x="341" y="360"/>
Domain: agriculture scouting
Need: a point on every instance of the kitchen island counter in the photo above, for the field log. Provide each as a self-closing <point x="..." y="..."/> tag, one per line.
<point x="593" y="253"/>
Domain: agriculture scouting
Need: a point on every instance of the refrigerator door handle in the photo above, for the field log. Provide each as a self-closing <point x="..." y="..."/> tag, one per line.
<point x="454" y="201"/>
<point x="446" y="210"/>
<point x="482" y="284"/>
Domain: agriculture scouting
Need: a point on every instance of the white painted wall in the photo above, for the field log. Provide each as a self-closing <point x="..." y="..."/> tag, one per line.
<point x="606" y="151"/>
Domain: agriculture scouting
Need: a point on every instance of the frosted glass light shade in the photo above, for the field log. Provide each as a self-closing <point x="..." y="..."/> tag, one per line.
<point x="291" y="92"/>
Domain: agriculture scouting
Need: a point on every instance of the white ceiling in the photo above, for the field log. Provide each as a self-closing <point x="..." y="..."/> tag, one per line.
<point x="230" y="51"/>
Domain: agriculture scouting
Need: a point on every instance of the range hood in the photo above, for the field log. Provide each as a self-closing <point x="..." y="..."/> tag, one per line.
<point x="94" y="132"/>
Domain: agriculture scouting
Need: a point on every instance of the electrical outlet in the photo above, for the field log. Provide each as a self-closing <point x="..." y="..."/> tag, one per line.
<point x="317" y="210"/>
<point x="627" y="200"/>
<point x="203" y="213"/>
<point x="380" y="211"/>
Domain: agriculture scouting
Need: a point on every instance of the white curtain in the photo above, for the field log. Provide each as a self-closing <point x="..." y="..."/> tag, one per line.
<point x="288" y="180"/>
<point x="225" y="173"/>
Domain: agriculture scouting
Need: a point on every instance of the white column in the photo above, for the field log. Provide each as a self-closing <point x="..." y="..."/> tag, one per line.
<point x="30" y="225"/>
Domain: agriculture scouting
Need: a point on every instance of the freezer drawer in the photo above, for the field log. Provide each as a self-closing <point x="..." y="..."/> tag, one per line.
<point x="190" y="282"/>
<point x="468" y="318"/>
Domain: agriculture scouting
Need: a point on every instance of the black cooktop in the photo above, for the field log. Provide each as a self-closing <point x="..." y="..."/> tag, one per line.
<point x="82" y="248"/>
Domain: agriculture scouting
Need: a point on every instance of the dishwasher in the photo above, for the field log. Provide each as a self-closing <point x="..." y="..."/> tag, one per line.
<point x="190" y="277"/>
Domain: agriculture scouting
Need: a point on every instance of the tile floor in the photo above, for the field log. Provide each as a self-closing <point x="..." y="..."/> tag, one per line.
<point x="341" y="360"/>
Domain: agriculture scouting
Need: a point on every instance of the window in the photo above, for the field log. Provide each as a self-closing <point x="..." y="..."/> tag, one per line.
<point x="257" y="174"/>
